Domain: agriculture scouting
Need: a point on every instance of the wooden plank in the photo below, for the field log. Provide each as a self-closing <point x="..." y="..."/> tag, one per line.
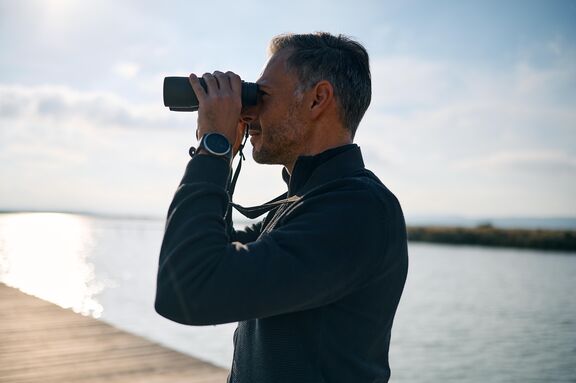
<point x="41" y="342"/>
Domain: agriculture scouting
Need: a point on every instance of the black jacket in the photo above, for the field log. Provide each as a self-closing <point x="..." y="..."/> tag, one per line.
<point x="314" y="287"/>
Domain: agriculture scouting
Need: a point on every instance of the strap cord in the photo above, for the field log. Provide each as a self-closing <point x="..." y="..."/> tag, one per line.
<point x="253" y="211"/>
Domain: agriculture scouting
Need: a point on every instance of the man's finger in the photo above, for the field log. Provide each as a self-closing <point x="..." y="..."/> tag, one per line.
<point x="223" y="81"/>
<point x="211" y="83"/>
<point x="198" y="89"/>
<point x="235" y="82"/>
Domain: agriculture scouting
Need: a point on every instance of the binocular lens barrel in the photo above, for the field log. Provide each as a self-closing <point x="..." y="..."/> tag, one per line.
<point x="180" y="97"/>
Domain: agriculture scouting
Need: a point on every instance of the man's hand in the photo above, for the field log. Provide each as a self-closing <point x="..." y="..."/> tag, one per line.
<point x="219" y="105"/>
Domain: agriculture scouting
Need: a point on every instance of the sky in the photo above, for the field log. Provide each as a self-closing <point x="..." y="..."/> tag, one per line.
<point x="472" y="112"/>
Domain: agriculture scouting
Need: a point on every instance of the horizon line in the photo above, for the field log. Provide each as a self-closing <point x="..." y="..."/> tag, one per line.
<point x="416" y="217"/>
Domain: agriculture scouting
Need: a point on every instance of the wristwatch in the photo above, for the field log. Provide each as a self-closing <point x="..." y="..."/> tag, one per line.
<point x="217" y="145"/>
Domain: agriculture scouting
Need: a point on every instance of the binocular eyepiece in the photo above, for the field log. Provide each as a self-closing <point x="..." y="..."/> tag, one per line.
<point x="180" y="97"/>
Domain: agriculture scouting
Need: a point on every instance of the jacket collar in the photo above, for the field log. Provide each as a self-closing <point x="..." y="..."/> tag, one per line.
<point x="332" y="164"/>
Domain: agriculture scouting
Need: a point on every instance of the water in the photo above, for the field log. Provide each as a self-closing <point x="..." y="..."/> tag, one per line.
<point x="468" y="314"/>
<point x="486" y="315"/>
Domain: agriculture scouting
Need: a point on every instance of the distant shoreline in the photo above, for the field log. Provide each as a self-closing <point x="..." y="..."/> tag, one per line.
<point x="486" y="235"/>
<point x="451" y="232"/>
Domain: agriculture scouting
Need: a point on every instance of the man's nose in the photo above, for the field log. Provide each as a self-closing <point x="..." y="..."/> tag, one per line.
<point x="249" y="113"/>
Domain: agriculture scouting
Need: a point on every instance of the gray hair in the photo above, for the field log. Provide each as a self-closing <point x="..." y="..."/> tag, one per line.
<point x="337" y="59"/>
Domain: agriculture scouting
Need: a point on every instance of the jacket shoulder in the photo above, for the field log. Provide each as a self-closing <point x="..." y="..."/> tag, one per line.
<point x="364" y="182"/>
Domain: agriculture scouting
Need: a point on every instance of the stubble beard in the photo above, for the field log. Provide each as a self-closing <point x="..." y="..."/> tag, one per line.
<point x="280" y="143"/>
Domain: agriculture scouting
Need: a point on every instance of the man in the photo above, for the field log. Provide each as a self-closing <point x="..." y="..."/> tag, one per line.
<point x="315" y="285"/>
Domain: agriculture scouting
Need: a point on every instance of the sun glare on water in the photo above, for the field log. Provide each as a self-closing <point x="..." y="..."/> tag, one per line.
<point x="47" y="255"/>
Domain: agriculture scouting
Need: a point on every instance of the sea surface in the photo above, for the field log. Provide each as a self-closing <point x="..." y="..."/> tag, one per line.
<point x="468" y="314"/>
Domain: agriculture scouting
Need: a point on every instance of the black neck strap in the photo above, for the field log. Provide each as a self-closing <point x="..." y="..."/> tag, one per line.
<point x="253" y="211"/>
<point x="232" y="186"/>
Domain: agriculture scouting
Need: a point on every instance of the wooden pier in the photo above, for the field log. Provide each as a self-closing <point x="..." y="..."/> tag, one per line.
<point x="41" y="342"/>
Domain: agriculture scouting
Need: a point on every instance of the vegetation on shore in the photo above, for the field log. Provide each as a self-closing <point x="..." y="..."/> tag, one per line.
<point x="486" y="235"/>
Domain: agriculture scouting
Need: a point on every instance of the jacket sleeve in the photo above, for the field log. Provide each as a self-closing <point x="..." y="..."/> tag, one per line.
<point x="327" y="247"/>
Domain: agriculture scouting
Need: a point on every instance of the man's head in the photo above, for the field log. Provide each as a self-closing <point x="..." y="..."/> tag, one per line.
<point x="337" y="59"/>
<point x="313" y="93"/>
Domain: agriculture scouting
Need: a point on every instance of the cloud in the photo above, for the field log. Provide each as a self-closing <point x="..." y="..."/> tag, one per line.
<point x="436" y="106"/>
<point x="447" y="137"/>
<point x="127" y="70"/>
<point x="407" y="82"/>
<point x="522" y="160"/>
<point x="54" y="104"/>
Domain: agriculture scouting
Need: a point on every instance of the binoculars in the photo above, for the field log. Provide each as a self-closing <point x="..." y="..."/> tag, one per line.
<point x="180" y="97"/>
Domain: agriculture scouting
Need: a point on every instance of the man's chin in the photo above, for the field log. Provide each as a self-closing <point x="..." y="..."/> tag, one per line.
<point x="256" y="156"/>
<point x="261" y="157"/>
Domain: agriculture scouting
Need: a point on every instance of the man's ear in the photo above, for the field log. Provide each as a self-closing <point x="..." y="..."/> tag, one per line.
<point x="322" y="96"/>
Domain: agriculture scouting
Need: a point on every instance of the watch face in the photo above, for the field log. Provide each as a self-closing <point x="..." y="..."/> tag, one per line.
<point x="217" y="144"/>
